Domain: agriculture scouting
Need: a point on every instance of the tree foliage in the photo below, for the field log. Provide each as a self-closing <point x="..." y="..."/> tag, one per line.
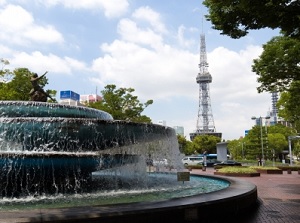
<point x="185" y="146"/>
<point x="289" y="106"/>
<point x="199" y="145"/>
<point x="122" y="104"/>
<point x="253" y="142"/>
<point x="4" y="73"/>
<point x="276" y="143"/>
<point x="236" y="148"/>
<point x="279" y="64"/>
<point x="274" y="138"/>
<point x="236" y="18"/>
<point x="296" y="149"/>
<point x="208" y="143"/>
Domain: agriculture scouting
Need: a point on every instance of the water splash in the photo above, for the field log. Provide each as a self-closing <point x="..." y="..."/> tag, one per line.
<point x="48" y="148"/>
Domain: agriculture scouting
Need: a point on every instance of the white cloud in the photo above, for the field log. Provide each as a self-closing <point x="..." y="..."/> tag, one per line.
<point x="39" y="63"/>
<point x="14" y="18"/>
<point x="150" y="16"/>
<point x="129" y="31"/>
<point x="115" y="8"/>
<point x="187" y="43"/>
<point x="76" y="64"/>
<point x="150" y="72"/>
<point x="46" y="34"/>
<point x="18" y="27"/>
<point x="5" y="51"/>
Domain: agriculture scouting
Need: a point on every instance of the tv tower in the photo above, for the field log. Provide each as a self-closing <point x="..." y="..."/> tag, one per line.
<point x="205" y="121"/>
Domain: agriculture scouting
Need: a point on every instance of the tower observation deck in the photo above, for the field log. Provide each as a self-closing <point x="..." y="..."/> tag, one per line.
<point x="205" y="121"/>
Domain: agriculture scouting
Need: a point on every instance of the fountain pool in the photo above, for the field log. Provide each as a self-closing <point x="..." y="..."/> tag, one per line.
<point x="115" y="189"/>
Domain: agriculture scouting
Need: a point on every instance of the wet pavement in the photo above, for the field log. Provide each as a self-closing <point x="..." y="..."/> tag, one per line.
<point x="278" y="198"/>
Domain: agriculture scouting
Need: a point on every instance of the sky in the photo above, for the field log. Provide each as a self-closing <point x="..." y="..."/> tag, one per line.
<point x="152" y="46"/>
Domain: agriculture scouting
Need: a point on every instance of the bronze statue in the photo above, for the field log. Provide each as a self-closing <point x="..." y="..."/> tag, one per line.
<point x="37" y="93"/>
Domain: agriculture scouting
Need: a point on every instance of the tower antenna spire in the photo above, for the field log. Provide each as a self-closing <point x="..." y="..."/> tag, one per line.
<point x="202" y="24"/>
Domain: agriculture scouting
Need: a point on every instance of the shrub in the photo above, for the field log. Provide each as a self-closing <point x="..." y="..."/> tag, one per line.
<point x="264" y="167"/>
<point x="235" y="169"/>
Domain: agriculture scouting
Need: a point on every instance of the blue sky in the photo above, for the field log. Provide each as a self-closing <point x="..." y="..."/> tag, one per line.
<point x="149" y="45"/>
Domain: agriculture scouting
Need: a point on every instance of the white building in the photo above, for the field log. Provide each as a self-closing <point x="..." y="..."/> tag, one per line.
<point x="87" y="98"/>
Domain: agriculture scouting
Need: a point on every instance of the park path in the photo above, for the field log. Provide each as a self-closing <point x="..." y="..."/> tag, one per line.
<point x="278" y="197"/>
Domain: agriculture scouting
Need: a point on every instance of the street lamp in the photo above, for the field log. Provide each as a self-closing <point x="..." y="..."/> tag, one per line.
<point x="261" y="135"/>
<point x="290" y="147"/>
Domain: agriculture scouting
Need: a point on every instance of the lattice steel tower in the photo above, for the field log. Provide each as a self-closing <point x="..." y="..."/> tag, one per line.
<point x="205" y="121"/>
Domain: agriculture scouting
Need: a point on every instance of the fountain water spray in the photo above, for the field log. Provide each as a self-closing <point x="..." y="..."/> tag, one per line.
<point x="48" y="148"/>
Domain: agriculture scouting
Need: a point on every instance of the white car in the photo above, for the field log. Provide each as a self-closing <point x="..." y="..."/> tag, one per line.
<point x="192" y="160"/>
<point x="161" y="162"/>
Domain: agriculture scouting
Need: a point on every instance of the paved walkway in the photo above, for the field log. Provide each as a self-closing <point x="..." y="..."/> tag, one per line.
<point x="279" y="198"/>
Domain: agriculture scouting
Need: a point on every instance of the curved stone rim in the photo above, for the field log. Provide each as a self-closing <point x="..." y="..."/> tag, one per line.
<point x="46" y="109"/>
<point x="239" y="196"/>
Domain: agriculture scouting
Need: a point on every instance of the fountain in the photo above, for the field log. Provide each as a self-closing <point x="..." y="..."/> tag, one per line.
<point x="61" y="152"/>
<point x="53" y="148"/>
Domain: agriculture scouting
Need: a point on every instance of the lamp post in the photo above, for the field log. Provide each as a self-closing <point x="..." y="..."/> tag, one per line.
<point x="290" y="138"/>
<point x="261" y="135"/>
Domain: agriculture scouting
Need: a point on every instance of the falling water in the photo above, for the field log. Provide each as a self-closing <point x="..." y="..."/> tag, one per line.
<point x="48" y="148"/>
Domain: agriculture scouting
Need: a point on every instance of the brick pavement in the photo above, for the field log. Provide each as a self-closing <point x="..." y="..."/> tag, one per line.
<point x="278" y="198"/>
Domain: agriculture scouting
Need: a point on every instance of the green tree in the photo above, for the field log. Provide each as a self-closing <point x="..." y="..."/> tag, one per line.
<point x="278" y="65"/>
<point x="121" y="104"/>
<point x="185" y="146"/>
<point x="296" y="149"/>
<point x="288" y="105"/>
<point x="5" y="74"/>
<point x="273" y="137"/>
<point x="276" y="143"/>
<point x="236" y="18"/>
<point x="254" y="139"/>
<point x="208" y="143"/>
<point x="237" y="148"/>
<point x="284" y="130"/>
<point x="5" y="77"/>
<point x="52" y="93"/>
<point x="277" y="140"/>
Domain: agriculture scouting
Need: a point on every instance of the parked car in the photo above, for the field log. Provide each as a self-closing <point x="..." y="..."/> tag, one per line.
<point x="228" y="163"/>
<point x="192" y="160"/>
<point x="210" y="163"/>
<point x="160" y="162"/>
